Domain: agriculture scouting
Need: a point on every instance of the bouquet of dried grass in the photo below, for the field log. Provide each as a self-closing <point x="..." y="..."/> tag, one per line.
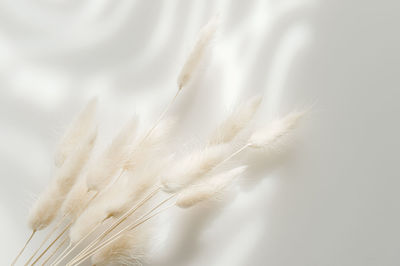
<point x="104" y="204"/>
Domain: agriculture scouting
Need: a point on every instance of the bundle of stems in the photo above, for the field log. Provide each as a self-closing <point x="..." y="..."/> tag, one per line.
<point x="105" y="204"/>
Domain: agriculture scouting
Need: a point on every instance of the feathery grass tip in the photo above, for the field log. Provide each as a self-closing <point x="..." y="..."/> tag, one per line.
<point x="208" y="188"/>
<point x="192" y="62"/>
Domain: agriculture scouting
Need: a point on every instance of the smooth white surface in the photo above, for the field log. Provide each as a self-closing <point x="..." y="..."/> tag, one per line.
<point x="334" y="202"/>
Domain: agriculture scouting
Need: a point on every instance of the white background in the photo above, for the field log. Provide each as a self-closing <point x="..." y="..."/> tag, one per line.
<point x="335" y="200"/>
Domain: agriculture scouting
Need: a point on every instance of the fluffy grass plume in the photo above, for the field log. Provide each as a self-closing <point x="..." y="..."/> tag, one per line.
<point x="119" y="197"/>
<point x="77" y="200"/>
<point x="47" y="206"/>
<point x="111" y="160"/>
<point x="129" y="249"/>
<point x="135" y="187"/>
<point x="209" y="188"/>
<point x="276" y="133"/>
<point x="187" y="170"/>
<point x="76" y="132"/>
<point x="98" y="211"/>
<point x="145" y="147"/>
<point x="235" y="122"/>
<point x="192" y="62"/>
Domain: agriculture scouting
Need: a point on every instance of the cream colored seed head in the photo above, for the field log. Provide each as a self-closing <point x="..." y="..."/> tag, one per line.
<point x="207" y="189"/>
<point x="235" y="122"/>
<point x="276" y="132"/>
<point x="104" y="167"/>
<point x="189" y="169"/>
<point x="47" y="207"/>
<point x="76" y="132"/>
<point x="192" y="62"/>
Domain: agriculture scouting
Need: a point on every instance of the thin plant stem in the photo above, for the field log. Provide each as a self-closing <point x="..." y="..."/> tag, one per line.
<point x="115" y="180"/>
<point x="161" y="117"/>
<point x="60" y="259"/>
<point x="100" y="237"/>
<point x="92" y="198"/>
<point x="129" y="227"/>
<point x="234" y="154"/>
<point x="46" y="238"/>
<point x="22" y="250"/>
<point x="147" y="135"/>
<point x="119" y="221"/>
<point x="62" y="254"/>
<point x="55" y="251"/>
<point x="225" y="160"/>
<point x="52" y="243"/>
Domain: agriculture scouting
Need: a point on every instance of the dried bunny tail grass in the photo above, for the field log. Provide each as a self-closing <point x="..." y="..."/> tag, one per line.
<point x="147" y="177"/>
<point x="104" y="167"/>
<point x="187" y="170"/>
<point x="77" y="200"/>
<point x="71" y="169"/>
<point x="46" y="208"/>
<point x="99" y="210"/>
<point x="138" y="184"/>
<point x="275" y="133"/>
<point x="91" y="217"/>
<point x="129" y="249"/>
<point x="106" y="205"/>
<point x="146" y="146"/>
<point x="235" y="122"/>
<point x="76" y="132"/>
<point x="205" y="36"/>
<point x="116" y="201"/>
<point x="208" y="189"/>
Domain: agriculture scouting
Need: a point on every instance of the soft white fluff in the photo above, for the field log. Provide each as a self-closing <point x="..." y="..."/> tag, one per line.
<point x="77" y="200"/>
<point x="140" y="181"/>
<point x="118" y="198"/>
<point x="122" y="195"/>
<point x="235" y="122"/>
<point x="98" y="211"/>
<point x="145" y="147"/>
<point x="192" y="62"/>
<point x="112" y="159"/>
<point x="76" y="132"/>
<point x="92" y="216"/>
<point x="188" y="169"/>
<point x="208" y="188"/>
<point x="129" y="249"/>
<point x="276" y="132"/>
<point x="46" y="208"/>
